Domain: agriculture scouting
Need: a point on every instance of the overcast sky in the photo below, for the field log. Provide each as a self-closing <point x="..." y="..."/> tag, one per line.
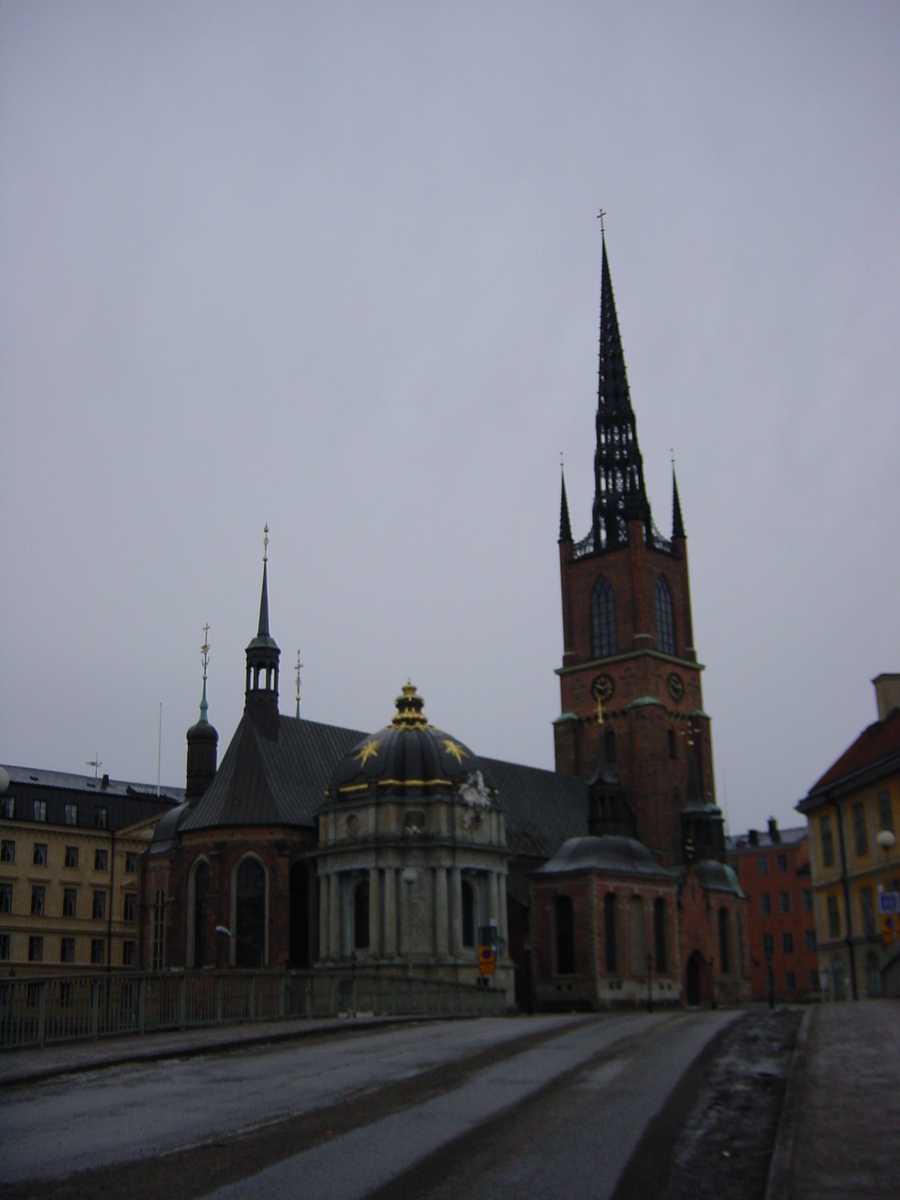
<point x="335" y="267"/>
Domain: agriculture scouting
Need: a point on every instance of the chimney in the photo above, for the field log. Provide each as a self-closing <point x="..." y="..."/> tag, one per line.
<point x="774" y="835"/>
<point x="887" y="694"/>
<point x="753" y="837"/>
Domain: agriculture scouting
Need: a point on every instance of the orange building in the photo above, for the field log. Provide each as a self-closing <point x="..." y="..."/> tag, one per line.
<point x="774" y="873"/>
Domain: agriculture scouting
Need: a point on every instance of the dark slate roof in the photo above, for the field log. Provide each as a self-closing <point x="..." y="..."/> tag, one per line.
<point x="125" y="803"/>
<point x="876" y="746"/>
<point x="273" y="781"/>
<point x="611" y="854"/>
<point x="543" y="808"/>
<point x="283" y="780"/>
<point x="715" y="876"/>
<point x="741" y="844"/>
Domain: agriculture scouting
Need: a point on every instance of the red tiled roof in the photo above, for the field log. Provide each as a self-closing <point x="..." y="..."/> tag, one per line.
<point x="878" y="741"/>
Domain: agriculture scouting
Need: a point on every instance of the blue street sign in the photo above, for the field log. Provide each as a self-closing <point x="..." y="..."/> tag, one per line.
<point x="888" y="902"/>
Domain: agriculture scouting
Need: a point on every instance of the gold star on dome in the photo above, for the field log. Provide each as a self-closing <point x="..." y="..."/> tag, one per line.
<point x="453" y="749"/>
<point x="369" y="750"/>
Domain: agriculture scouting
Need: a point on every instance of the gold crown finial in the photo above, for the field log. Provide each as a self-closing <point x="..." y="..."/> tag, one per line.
<point x="409" y="713"/>
<point x="266" y="542"/>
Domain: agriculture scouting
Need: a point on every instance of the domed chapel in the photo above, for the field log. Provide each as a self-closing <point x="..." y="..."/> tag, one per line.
<point x="601" y="883"/>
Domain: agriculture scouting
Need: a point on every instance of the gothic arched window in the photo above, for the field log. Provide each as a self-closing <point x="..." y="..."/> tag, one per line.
<point x="158" y="958"/>
<point x="250" y="914"/>
<point x="603" y="619"/>
<point x="659" y="935"/>
<point x="565" y="936"/>
<point x="724" y="942"/>
<point x="665" y="624"/>
<point x="201" y="912"/>
<point x="610" y="921"/>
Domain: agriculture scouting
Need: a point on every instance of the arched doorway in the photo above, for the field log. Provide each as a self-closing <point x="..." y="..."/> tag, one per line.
<point x="250" y="922"/>
<point x="695" y="977"/>
<point x="299" y="944"/>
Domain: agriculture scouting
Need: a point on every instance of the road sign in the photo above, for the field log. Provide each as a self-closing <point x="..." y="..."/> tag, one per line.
<point x="889" y="902"/>
<point x="887" y="929"/>
<point x="487" y="960"/>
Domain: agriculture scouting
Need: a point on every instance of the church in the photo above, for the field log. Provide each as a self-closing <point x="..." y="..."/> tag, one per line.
<point x="604" y="882"/>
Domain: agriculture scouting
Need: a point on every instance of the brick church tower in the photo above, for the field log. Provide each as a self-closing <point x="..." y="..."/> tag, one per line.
<point x="632" y="720"/>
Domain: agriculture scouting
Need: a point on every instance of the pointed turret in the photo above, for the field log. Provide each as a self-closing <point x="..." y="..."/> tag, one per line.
<point x="677" y="522"/>
<point x="565" y="527"/>
<point x="619" y="492"/>
<point x="262" y="663"/>
<point x="263" y="630"/>
<point x="608" y="811"/>
<point x="202" y="741"/>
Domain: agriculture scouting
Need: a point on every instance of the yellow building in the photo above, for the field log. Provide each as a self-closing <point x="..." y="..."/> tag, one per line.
<point x="69" y="860"/>
<point x="853" y="813"/>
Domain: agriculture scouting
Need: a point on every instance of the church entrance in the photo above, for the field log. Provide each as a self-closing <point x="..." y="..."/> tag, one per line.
<point x="696" y="978"/>
<point x="299" y="945"/>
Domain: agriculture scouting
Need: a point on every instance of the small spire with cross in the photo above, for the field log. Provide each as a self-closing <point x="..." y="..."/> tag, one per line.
<point x="600" y="215"/>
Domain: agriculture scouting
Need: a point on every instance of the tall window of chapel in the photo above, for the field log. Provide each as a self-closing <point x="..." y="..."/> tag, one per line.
<point x="665" y="621"/>
<point x="603" y="619"/>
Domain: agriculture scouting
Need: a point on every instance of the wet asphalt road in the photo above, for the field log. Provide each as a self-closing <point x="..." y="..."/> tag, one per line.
<point x="561" y="1112"/>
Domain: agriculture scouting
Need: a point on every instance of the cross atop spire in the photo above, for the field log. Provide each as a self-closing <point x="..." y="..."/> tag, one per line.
<point x="266" y="542"/>
<point x="619" y="493"/>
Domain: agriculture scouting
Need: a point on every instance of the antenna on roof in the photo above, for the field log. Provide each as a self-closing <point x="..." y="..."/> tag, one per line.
<point x="95" y="763"/>
<point x="159" y="748"/>
<point x="299" y="665"/>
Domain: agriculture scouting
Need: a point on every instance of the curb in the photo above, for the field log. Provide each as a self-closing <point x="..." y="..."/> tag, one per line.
<point x="778" y="1182"/>
<point x="195" y="1050"/>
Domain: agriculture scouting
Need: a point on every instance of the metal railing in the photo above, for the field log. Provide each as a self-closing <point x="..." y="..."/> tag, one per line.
<point x="68" y="1008"/>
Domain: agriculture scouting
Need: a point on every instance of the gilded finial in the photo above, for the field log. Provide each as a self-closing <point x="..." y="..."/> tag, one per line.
<point x="266" y="542"/>
<point x="599" y="709"/>
<point x="409" y="713"/>
<point x="204" y="659"/>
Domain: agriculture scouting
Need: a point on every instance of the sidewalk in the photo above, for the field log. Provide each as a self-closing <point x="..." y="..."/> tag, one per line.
<point x="29" y="1066"/>
<point x="846" y="1124"/>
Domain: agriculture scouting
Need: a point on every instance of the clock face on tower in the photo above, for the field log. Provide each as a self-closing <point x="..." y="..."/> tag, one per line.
<point x="603" y="688"/>
<point x="675" y="684"/>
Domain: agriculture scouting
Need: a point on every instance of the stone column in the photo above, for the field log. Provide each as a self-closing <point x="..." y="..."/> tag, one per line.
<point x="390" y="912"/>
<point x="441" y="914"/>
<point x="456" y="945"/>
<point x="374" y="914"/>
<point x="494" y="898"/>
<point x="405" y="941"/>
<point x="334" y="916"/>
<point x="323" y="917"/>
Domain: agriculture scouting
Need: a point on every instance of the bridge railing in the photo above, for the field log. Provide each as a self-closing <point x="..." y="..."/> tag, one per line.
<point x="68" y="1008"/>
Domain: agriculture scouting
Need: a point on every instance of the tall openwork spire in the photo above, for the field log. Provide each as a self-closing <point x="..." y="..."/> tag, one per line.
<point x="262" y="661"/>
<point x="677" y="522"/>
<point x="565" y="526"/>
<point x="619" y="493"/>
